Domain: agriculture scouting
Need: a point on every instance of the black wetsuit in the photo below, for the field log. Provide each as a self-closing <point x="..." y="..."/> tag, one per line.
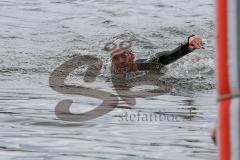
<point x="167" y="57"/>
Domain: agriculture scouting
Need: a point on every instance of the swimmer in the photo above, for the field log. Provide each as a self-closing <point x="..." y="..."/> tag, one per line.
<point x="121" y="57"/>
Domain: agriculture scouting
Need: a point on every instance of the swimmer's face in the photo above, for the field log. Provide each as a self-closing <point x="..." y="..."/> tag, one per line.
<point x="122" y="56"/>
<point x="121" y="59"/>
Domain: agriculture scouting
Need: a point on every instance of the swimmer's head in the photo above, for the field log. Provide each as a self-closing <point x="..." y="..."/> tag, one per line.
<point x="120" y="56"/>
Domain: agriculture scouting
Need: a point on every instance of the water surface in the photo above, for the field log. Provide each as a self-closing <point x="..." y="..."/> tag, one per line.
<point x="38" y="36"/>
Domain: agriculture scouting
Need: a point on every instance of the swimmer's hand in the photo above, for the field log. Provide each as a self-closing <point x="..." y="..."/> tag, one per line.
<point x="196" y="42"/>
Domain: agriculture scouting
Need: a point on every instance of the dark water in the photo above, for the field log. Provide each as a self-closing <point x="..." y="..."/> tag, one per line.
<point x="38" y="36"/>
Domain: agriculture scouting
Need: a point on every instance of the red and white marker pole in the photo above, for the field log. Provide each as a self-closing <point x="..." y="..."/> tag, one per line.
<point x="228" y="58"/>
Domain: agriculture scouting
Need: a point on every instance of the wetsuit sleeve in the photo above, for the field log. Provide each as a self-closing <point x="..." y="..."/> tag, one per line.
<point x="167" y="57"/>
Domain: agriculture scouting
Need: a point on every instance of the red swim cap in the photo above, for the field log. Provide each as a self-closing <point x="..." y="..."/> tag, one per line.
<point x="122" y="56"/>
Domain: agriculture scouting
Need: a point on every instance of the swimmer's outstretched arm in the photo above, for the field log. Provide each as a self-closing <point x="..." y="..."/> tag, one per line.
<point x="167" y="57"/>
